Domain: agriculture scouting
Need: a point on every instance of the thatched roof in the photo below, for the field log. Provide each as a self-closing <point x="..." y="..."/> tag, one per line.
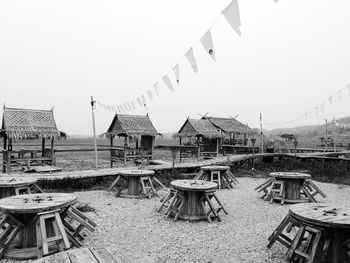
<point x="28" y="124"/>
<point x="202" y="127"/>
<point x="229" y="125"/>
<point x="131" y="125"/>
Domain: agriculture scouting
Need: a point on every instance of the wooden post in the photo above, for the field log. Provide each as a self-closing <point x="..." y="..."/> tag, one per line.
<point x="43" y="147"/>
<point x="125" y="146"/>
<point x="53" y="161"/>
<point x="111" y="141"/>
<point x="261" y="135"/>
<point x="9" y="153"/>
<point x="199" y="148"/>
<point x="217" y="146"/>
<point x="152" y="147"/>
<point x="180" y="142"/>
<point x="4" y="154"/>
<point x="94" y="129"/>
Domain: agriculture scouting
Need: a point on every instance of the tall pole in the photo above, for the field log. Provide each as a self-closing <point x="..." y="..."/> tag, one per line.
<point x="94" y="129"/>
<point x="326" y="136"/>
<point x="334" y="147"/>
<point x="261" y="135"/>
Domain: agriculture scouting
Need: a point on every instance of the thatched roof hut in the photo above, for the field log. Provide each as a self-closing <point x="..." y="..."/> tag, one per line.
<point x="21" y="124"/>
<point x="131" y="125"/>
<point x="198" y="128"/>
<point x="229" y="125"/>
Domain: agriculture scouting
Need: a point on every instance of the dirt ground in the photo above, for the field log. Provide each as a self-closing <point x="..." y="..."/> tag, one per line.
<point x="240" y="237"/>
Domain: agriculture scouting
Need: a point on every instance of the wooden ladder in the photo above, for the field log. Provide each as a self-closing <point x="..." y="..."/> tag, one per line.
<point x="310" y="190"/>
<point x="304" y="245"/>
<point x="277" y="191"/>
<point x="10" y="228"/>
<point x="215" y="177"/>
<point x="147" y="188"/>
<point x="73" y="214"/>
<point x="59" y="233"/>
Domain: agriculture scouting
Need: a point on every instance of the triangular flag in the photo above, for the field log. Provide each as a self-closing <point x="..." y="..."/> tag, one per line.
<point x="118" y="107"/>
<point x="231" y="13"/>
<point x="207" y="43"/>
<point x="122" y="108"/>
<point x="129" y="106"/>
<point x="168" y="82"/>
<point x="177" y="74"/>
<point x="190" y="57"/>
<point x="133" y="105"/>
<point x="339" y="95"/>
<point x="156" y="88"/>
<point x="139" y="101"/>
<point x="143" y="100"/>
<point x="150" y="95"/>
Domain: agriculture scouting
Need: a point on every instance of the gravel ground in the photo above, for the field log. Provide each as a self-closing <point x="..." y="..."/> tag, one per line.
<point x="240" y="237"/>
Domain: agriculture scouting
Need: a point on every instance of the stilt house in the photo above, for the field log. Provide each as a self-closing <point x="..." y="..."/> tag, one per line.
<point x="27" y="124"/>
<point x="137" y="128"/>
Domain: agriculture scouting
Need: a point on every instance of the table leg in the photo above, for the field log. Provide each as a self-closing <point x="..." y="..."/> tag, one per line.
<point x="192" y="209"/>
<point x="134" y="186"/>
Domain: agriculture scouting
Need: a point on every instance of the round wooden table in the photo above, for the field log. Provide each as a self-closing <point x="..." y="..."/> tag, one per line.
<point x="226" y="178"/>
<point x="193" y="191"/>
<point x="292" y="183"/>
<point x="8" y="185"/>
<point x="133" y="178"/>
<point x="335" y="220"/>
<point x="24" y="208"/>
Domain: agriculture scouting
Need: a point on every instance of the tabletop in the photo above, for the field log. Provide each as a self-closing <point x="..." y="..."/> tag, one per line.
<point x="136" y="172"/>
<point x="215" y="168"/>
<point x="290" y="175"/>
<point x="326" y="215"/>
<point x="193" y="185"/>
<point x="35" y="203"/>
<point x="16" y="181"/>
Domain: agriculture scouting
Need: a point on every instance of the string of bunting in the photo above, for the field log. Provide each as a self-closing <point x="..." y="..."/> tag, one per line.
<point x="232" y="16"/>
<point x="317" y="110"/>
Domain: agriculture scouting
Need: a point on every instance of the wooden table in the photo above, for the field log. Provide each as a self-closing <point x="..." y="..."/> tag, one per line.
<point x="134" y="181"/>
<point x="24" y="208"/>
<point x="218" y="174"/>
<point x="13" y="185"/>
<point x="194" y="195"/>
<point x="335" y="220"/>
<point x="292" y="183"/>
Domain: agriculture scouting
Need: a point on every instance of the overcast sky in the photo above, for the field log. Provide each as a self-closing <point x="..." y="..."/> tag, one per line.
<point x="291" y="57"/>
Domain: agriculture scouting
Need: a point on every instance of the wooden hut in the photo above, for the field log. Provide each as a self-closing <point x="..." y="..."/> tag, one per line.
<point x="132" y="127"/>
<point x="207" y="137"/>
<point x="26" y="124"/>
<point x="236" y="134"/>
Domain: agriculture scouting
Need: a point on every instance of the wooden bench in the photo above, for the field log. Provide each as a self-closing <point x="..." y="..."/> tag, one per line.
<point x="99" y="255"/>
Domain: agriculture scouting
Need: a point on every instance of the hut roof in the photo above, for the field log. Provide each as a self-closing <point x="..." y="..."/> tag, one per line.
<point x="229" y="125"/>
<point x="28" y="124"/>
<point x="131" y="125"/>
<point x="195" y="127"/>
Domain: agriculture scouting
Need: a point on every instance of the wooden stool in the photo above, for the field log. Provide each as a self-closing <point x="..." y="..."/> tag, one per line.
<point x="60" y="236"/>
<point x="10" y="228"/>
<point x="264" y="187"/>
<point x="306" y="249"/>
<point x="200" y="175"/>
<point x="166" y="199"/>
<point x="147" y="186"/>
<point x="28" y="189"/>
<point x="215" y="178"/>
<point x="176" y="205"/>
<point x="277" y="191"/>
<point x="232" y="177"/>
<point x="208" y="196"/>
<point x="309" y="189"/>
<point x="286" y="225"/>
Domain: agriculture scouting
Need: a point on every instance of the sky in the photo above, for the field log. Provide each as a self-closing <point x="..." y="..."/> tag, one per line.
<point x="292" y="56"/>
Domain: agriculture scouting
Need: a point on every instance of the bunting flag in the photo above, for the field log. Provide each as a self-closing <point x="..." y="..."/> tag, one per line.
<point x="143" y="100"/>
<point x="156" y="89"/>
<point x="122" y="108"/>
<point x="168" y="82"/>
<point x="177" y="74"/>
<point x="139" y="101"/>
<point x="190" y="57"/>
<point x="207" y="43"/>
<point x="119" y="110"/>
<point x="150" y="95"/>
<point x="231" y="13"/>
<point x="133" y="105"/>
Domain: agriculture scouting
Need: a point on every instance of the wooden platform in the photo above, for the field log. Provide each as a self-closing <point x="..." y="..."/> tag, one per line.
<point x="99" y="255"/>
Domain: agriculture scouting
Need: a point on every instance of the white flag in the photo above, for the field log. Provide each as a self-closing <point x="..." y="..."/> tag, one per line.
<point x="150" y="95"/>
<point x="139" y="101"/>
<point x="129" y="106"/>
<point x="190" y="57"/>
<point x="143" y="100"/>
<point x="231" y="13"/>
<point x="177" y="74"/>
<point x="339" y="95"/>
<point x="119" y="109"/>
<point x="126" y="107"/>
<point x="348" y="88"/>
<point x="122" y="108"/>
<point x="156" y="89"/>
<point x="133" y="105"/>
<point x="331" y="100"/>
<point x="207" y="43"/>
<point x="113" y="108"/>
<point x="168" y="83"/>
